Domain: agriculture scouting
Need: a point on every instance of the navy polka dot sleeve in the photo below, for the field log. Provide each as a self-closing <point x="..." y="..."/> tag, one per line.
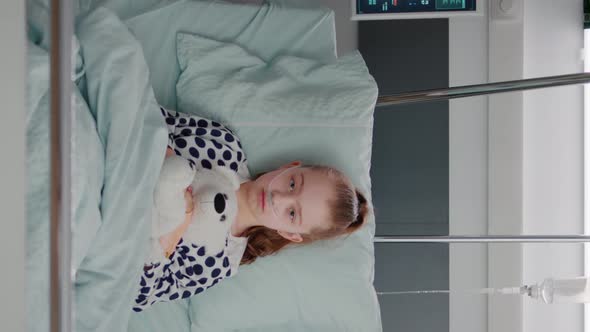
<point x="205" y="143"/>
<point x="188" y="271"/>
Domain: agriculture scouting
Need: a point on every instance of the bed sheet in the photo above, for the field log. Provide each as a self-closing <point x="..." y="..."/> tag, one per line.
<point x="286" y="109"/>
<point x="134" y="134"/>
<point x="162" y="317"/>
<point x="87" y="156"/>
<point x="118" y="144"/>
<point x="255" y="30"/>
<point x="305" y="32"/>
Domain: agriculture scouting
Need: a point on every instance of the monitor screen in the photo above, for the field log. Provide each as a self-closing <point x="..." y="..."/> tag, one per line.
<point x="413" y="6"/>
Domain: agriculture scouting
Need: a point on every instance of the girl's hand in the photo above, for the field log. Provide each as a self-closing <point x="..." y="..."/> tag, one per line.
<point x="170" y="240"/>
<point x="188" y="198"/>
<point x="169" y="152"/>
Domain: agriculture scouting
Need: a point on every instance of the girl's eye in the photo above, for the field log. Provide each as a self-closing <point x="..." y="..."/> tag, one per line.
<point x="292" y="215"/>
<point x="291" y="185"/>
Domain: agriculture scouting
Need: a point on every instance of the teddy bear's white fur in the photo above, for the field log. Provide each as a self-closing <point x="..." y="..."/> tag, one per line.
<point x="214" y="194"/>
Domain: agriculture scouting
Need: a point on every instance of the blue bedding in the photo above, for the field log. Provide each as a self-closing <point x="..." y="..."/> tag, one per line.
<point x="119" y="140"/>
<point x="132" y="129"/>
<point x="87" y="178"/>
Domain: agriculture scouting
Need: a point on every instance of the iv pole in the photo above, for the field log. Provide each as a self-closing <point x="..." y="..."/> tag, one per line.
<point x="470" y="91"/>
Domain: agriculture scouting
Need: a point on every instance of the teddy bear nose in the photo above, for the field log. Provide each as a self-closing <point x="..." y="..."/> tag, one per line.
<point x="219" y="203"/>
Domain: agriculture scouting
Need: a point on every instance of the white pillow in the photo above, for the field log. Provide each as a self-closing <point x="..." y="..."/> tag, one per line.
<point x="289" y="108"/>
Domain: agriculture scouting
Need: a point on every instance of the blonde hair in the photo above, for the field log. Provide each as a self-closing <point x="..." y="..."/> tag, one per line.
<point x="349" y="210"/>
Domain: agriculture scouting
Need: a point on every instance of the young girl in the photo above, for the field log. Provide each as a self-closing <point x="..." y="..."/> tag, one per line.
<point x="293" y="204"/>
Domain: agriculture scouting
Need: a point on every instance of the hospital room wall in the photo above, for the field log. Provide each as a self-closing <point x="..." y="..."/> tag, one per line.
<point x="468" y="172"/>
<point x="12" y="177"/>
<point x="553" y="156"/>
<point x="346" y="29"/>
<point x="410" y="169"/>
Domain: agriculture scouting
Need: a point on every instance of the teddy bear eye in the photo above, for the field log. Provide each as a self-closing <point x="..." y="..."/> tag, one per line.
<point x="220" y="203"/>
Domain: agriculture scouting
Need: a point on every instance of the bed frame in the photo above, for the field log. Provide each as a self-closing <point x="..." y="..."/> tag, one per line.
<point x="60" y="201"/>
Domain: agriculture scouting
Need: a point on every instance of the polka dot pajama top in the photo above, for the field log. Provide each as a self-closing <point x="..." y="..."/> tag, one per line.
<point x="188" y="271"/>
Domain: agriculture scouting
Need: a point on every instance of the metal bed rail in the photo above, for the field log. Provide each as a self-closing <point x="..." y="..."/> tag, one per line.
<point x="61" y="279"/>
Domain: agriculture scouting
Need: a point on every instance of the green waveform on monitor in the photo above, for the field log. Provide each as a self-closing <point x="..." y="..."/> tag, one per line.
<point x="450" y="4"/>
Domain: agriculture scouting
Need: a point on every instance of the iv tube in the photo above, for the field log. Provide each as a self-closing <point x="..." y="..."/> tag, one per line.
<point x="503" y="291"/>
<point x="571" y="290"/>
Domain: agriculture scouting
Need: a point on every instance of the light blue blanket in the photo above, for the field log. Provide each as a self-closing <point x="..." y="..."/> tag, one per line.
<point x="132" y="129"/>
<point x="119" y="140"/>
<point x="127" y="141"/>
<point x="87" y="178"/>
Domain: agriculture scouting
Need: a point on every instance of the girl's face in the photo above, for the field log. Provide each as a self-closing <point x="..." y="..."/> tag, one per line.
<point x="295" y="203"/>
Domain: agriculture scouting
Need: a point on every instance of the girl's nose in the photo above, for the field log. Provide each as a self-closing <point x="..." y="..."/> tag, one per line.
<point x="279" y="198"/>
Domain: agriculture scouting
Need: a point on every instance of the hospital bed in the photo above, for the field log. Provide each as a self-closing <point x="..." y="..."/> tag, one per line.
<point x="304" y="103"/>
<point x="131" y="49"/>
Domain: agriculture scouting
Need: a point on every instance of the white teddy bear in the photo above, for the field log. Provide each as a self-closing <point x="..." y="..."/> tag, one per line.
<point x="214" y="194"/>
